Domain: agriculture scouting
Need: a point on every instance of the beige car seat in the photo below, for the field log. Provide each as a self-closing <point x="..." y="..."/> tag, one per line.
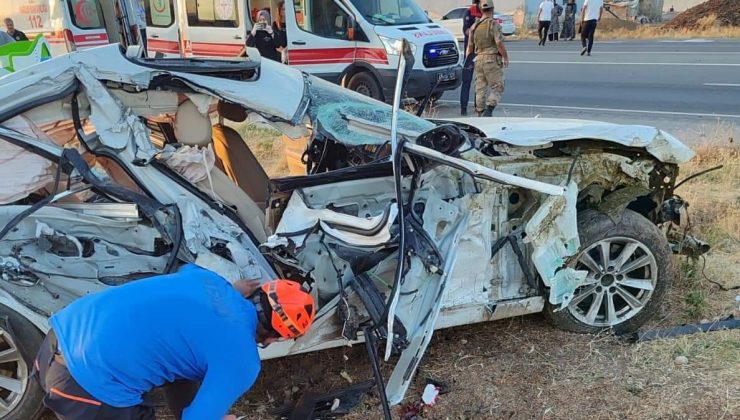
<point x="235" y="158"/>
<point x="194" y="129"/>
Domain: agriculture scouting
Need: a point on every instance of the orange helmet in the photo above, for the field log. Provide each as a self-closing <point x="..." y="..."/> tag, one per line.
<point x="293" y="310"/>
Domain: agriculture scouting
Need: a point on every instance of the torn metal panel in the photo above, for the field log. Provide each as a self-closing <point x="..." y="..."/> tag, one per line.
<point x="553" y="233"/>
<point x="531" y="132"/>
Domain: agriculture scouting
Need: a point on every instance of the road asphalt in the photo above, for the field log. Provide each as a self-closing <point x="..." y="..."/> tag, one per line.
<point x="680" y="86"/>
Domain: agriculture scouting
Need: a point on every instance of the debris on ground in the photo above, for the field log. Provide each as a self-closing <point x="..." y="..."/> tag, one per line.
<point x="682" y="360"/>
<point x="429" y="397"/>
<point x="728" y="323"/>
<point x="727" y="13"/>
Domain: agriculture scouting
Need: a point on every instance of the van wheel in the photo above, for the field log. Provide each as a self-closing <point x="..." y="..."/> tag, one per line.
<point x="630" y="268"/>
<point x="21" y="397"/>
<point x="365" y="84"/>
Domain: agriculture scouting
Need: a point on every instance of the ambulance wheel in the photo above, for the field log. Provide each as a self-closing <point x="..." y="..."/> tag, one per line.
<point x="21" y="396"/>
<point x="365" y="84"/>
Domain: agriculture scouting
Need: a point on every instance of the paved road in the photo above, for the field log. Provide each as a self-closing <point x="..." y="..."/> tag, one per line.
<point x="675" y="85"/>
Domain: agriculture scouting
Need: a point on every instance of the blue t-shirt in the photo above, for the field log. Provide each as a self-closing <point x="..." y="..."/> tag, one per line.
<point x="124" y="341"/>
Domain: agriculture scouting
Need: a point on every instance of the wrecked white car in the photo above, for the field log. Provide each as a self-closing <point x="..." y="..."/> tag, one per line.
<point x="117" y="168"/>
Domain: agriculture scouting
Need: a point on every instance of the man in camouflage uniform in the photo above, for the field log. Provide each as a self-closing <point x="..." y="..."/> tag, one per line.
<point x="487" y="41"/>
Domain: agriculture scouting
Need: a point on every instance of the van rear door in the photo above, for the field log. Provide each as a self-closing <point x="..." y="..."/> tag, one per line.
<point x="216" y="28"/>
<point x="320" y="37"/>
<point x="161" y="28"/>
<point x="84" y="25"/>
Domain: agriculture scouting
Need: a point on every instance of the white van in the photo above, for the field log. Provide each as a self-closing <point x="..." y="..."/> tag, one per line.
<point x="70" y="25"/>
<point x="351" y="42"/>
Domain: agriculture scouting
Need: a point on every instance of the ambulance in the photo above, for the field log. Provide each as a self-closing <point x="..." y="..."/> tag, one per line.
<point x="71" y="25"/>
<point x="355" y="43"/>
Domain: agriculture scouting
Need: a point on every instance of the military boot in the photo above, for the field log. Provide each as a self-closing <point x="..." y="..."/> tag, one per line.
<point x="489" y="111"/>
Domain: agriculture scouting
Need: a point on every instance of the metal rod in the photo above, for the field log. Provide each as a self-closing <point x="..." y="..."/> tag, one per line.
<point x="372" y="351"/>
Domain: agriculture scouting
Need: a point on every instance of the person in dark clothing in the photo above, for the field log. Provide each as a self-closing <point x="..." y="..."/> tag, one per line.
<point x="14" y="33"/>
<point x="262" y="37"/>
<point x="281" y="34"/>
<point x="569" y="22"/>
<point x="192" y="332"/>
<point x="590" y="17"/>
<point x="471" y="16"/>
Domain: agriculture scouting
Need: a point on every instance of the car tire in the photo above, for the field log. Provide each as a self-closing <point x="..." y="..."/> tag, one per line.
<point x="629" y="290"/>
<point x="18" y="333"/>
<point x="365" y="83"/>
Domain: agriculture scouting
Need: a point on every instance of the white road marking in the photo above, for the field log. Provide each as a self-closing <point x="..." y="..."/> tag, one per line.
<point x="611" y="63"/>
<point x="635" y="111"/>
<point x="690" y="41"/>
<point x="723" y="84"/>
<point x="512" y="51"/>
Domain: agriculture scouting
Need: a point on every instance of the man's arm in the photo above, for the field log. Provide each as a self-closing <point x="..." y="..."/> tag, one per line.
<point x="504" y="53"/>
<point x="583" y="11"/>
<point x="223" y="384"/>
<point x="467" y="18"/>
<point x="539" y="12"/>
<point x="601" y="12"/>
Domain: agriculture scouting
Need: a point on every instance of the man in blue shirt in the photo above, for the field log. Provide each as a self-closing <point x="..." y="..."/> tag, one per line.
<point x="185" y="331"/>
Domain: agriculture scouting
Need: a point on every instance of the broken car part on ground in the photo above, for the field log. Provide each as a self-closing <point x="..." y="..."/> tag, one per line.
<point x="115" y="170"/>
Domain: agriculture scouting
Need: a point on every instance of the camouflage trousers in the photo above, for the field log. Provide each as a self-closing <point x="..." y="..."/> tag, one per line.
<point x="489" y="74"/>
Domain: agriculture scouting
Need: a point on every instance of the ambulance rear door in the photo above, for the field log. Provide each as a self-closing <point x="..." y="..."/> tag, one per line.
<point x="84" y="25"/>
<point x="161" y="22"/>
<point x="216" y="28"/>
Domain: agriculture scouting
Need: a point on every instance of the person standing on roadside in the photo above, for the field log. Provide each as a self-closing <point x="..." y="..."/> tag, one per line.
<point x="14" y="33"/>
<point x="487" y="41"/>
<point x="590" y="17"/>
<point x="569" y="22"/>
<point x="544" y="16"/>
<point x="554" y="32"/>
<point x="471" y="16"/>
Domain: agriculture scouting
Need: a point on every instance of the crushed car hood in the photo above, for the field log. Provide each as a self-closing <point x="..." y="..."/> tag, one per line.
<point x="532" y="132"/>
<point x="277" y="92"/>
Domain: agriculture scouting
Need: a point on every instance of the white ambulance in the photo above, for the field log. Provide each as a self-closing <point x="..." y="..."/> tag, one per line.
<point x="70" y="25"/>
<point x="351" y="42"/>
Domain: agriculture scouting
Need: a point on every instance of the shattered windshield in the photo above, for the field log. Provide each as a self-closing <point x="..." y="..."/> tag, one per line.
<point x="391" y="12"/>
<point x="354" y="119"/>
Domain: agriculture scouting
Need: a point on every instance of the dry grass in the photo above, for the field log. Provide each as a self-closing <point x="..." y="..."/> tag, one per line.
<point x="267" y="145"/>
<point x="706" y="27"/>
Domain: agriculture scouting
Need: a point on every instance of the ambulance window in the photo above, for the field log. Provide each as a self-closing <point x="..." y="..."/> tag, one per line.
<point x="86" y="14"/>
<point x="213" y="13"/>
<point x="160" y="13"/>
<point x="323" y="18"/>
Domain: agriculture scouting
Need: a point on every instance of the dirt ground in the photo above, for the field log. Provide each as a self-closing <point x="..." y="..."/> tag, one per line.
<point x="726" y="13"/>
<point x="524" y="368"/>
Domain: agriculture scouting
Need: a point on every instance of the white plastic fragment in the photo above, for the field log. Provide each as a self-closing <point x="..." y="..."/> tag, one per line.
<point x="429" y="397"/>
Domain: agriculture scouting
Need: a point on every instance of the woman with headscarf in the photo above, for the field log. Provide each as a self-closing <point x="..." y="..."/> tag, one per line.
<point x="569" y="22"/>
<point x="262" y="37"/>
<point x="554" y="31"/>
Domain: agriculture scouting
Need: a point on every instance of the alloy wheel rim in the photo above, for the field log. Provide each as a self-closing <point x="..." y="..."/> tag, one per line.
<point x="622" y="276"/>
<point x="13" y="374"/>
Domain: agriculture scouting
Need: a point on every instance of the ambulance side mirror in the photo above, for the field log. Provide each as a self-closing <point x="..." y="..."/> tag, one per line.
<point x="351" y="29"/>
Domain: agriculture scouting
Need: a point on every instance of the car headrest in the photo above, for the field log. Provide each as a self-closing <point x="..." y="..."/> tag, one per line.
<point x="232" y="112"/>
<point x="191" y="127"/>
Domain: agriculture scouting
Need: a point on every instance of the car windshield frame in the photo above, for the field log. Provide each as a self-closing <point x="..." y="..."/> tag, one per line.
<point x="372" y="10"/>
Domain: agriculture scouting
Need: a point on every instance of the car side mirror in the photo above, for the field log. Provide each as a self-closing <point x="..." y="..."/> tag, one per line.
<point x="445" y="18"/>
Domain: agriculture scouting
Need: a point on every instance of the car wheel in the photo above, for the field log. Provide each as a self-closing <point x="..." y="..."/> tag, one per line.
<point x="365" y="84"/>
<point x="630" y="268"/>
<point x="21" y="397"/>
